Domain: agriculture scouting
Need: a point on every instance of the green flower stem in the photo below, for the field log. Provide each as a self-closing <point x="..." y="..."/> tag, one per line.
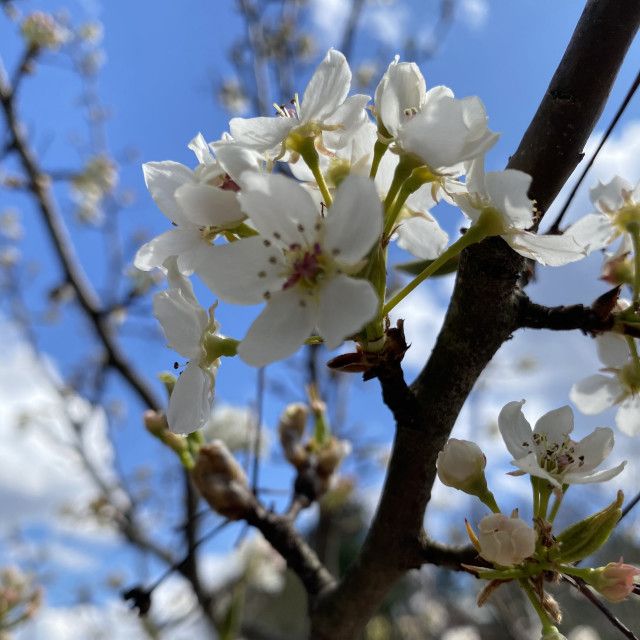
<point x="536" y="495"/>
<point x="487" y="498"/>
<point x="306" y="147"/>
<point x="585" y="573"/>
<point x="418" y="177"/>
<point x="379" y="149"/>
<point x="633" y="229"/>
<point x="545" y="495"/>
<point x="405" y="166"/>
<point x="556" y="504"/>
<point x="473" y="235"/>
<point x="547" y="624"/>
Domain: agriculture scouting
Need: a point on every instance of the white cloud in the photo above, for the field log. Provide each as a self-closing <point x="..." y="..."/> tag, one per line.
<point x="40" y="473"/>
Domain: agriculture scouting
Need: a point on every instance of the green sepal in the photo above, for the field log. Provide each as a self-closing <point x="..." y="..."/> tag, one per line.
<point x="585" y="537"/>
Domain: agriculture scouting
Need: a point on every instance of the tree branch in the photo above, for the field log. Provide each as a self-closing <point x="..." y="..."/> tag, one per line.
<point x="483" y="313"/>
<point x="40" y="186"/>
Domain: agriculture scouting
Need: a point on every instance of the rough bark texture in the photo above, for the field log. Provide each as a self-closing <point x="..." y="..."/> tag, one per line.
<point x="482" y="315"/>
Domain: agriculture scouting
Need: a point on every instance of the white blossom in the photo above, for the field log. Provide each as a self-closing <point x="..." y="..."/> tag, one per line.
<point x="301" y="265"/>
<point x="596" y="393"/>
<point x="548" y="452"/>
<point x="187" y="325"/>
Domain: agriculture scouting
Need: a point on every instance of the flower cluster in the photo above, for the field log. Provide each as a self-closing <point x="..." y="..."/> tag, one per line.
<point x="311" y="240"/>
<point x="531" y="555"/>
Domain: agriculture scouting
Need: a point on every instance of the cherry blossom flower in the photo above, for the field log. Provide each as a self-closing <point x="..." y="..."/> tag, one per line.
<point x="301" y="265"/>
<point x="505" y="192"/>
<point x="596" y="393"/>
<point x="325" y="113"/>
<point x="201" y="202"/>
<point x="446" y="131"/>
<point x="400" y="95"/>
<point x="548" y="452"/>
<point x="617" y="203"/>
<point x="187" y="326"/>
<point x="505" y="541"/>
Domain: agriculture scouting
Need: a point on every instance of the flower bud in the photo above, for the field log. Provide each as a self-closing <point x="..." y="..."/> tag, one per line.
<point x="330" y="455"/>
<point x="615" y="581"/>
<point x="222" y="482"/>
<point x="461" y="465"/>
<point x="290" y="429"/>
<point x="586" y="536"/>
<point x="505" y="541"/>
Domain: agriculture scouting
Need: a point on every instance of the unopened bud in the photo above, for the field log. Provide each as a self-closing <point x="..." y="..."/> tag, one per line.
<point x="615" y="581"/>
<point x="290" y="429"/>
<point x="330" y="455"/>
<point x="155" y="422"/>
<point x="222" y="482"/>
<point x="586" y="536"/>
<point x="505" y="541"/>
<point x="461" y="465"/>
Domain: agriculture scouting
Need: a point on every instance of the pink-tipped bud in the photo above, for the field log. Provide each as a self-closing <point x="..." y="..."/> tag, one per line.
<point x="615" y="581"/>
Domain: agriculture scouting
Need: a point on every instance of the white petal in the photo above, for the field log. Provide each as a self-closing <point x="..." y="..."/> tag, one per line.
<point x="280" y="209"/>
<point x="628" y="416"/>
<point x="261" y="134"/>
<point x="557" y="424"/>
<point x="608" y="197"/>
<point x="515" y="430"/>
<point x="553" y="251"/>
<point x="598" y="476"/>
<point x="592" y="232"/>
<point x="508" y="191"/>
<point x="279" y="330"/>
<point x="422" y="237"/>
<point x="327" y="88"/>
<point x="236" y="160"/>
<point x="613" y="349"/>
<point x="354" y="221"/>
<point x="437" y="134"/>
<point x="204" y="205"/>
<point x="345" y="306"/>
<point x="182" y="321"/>
<point x="200" y="147"/>
<point x="529" y="464"/>
<point x="595" y="448"/>
<point x="242" y="272"/>
<point x="175" y="242"/>
<point x="351" y="116"/>
<point x="596" y="393"/>
<point x="189" y="405"/>
<point x="162" y="180"/>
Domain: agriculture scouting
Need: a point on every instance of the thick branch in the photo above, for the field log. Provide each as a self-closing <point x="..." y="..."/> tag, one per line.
<point x="482" y="314"/>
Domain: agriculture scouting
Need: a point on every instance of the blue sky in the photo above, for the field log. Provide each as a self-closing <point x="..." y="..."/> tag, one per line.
<point x="163" y="63"/>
